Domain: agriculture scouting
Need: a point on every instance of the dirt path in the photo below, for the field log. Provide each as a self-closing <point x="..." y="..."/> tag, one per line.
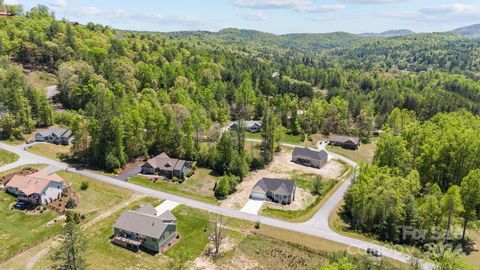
<point x="54" y="242"/>
<point x="280" y="167"/>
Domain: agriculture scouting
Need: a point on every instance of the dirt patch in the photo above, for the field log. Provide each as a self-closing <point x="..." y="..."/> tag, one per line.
<point x="303" y="198"/>
<point x="281" y="167"/>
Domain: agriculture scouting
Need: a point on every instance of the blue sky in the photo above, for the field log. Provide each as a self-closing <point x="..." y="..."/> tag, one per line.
<point x="275" y="16"/>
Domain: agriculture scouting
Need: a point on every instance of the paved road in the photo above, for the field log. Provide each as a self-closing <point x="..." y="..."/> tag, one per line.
<point x="317" y="226"/>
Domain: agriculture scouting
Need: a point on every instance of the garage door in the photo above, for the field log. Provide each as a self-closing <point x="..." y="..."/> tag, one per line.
<point x="257" y="196"/>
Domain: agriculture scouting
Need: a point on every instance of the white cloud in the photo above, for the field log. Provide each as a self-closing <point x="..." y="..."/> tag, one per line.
<point x="58" y="3"/>
<point x="455" y="9"/>
<point x="91" y="11"/>
<point x="257" y="16"/>
<point x="12" y="2"/>
<point x="373" y="1"/>
<point x="297" y="5"/>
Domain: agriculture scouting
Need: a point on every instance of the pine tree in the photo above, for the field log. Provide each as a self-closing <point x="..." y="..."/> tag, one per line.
<point x="70" y="254"/>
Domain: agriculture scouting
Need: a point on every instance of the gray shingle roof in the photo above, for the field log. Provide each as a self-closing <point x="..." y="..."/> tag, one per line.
<point x="343" y="139"/>
<point x="147" y="209"/>
<point x="275" y="185"/>
<point x="143" y="223"/>
<point x="305" y="152"/>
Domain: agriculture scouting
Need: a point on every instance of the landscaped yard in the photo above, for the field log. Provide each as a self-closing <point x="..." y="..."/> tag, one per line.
<point x="363" y="155"/>
<point x="7" y="157"/>
<point x="19" y="230"/>
<point x="199" y="186"/>
<point x="49" y="150"/>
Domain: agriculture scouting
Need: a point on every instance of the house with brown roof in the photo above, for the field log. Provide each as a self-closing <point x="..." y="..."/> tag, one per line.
<point x="37" y="188"/>
<point x="348" y="142"/>
<point x="168" y="167"/>
<point x="145" y="228"/>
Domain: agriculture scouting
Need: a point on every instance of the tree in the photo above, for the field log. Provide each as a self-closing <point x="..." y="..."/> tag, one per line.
<point x="271" y="132"/>
<point x="217" y="236"/>
<point x="70" y="254"/>
<point x="392" y="152"/>
<point x="470" y="192"/>
<point x="451" y="206"/>
<point x="317" y="185"/>
<point x="223" y="188"/>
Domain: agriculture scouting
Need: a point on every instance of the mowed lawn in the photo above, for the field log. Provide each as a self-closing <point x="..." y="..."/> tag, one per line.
<point x="101" y="252"/>
<point x="7" y="157"/>
<point x="49" y="150"/>
<point x="363" y="155"/>
<point x="18" y="230"/>
<point x="199" y="186"/>
<point x="98" y="197"/>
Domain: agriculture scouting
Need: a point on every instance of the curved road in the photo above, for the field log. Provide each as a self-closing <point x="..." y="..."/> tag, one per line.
<point x="317" y="226"/>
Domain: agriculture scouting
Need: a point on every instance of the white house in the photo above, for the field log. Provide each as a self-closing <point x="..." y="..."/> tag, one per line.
<point x="37" y="188"/>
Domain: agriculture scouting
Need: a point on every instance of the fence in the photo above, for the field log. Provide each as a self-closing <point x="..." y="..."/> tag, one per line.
<point x="28" y="247"/>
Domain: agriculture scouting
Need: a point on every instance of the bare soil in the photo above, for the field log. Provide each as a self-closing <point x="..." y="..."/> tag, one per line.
<point x="281" y="167"/>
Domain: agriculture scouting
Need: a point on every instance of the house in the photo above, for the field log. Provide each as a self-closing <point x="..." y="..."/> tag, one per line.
<point x="5" y="14"/>
<point x="37" y="188"/>
<point x="145" y="228"/>
<point x="250" y="126"/>
<point x="167" y="167"/>
<point x="309" y="157"/>
<point x="54" y="135"/>
<point x="276" y="190"/>
<point x="344" y="141"/>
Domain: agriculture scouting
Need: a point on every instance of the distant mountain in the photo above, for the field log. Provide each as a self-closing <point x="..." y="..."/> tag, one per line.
<point x="389" y="33"/>
<point x="469" y="31"/>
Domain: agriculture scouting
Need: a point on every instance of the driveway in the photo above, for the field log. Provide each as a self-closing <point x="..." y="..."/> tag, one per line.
<point x="124" y="176"/>
<point x="317" y="226"/>
<point x="252" y="206"/>
<point x="166" y="206"/>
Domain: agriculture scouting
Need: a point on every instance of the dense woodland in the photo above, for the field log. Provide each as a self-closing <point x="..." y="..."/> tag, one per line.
<point x="134" y="94"/>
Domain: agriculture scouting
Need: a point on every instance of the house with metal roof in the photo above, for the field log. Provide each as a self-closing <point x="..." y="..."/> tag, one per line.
<point x="277" y="190"/>
<point x="168" y="167"/>
<point x="145" y="228"/>
<point x="309" y="157"/>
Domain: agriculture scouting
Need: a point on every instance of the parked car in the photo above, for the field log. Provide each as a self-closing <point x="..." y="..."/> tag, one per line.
<point x="374" y="252"/>
<point x="20" y="205"/>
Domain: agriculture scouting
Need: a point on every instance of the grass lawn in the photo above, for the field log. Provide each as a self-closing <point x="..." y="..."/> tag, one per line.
<point x="19" y="230"/>
<point x="7" y="157"/>
<point x="98" y="197"/>
<point x="286" y="138"/>
<point x="41" y="79"/>
<point x="305" y="180"/>
<point x="363" y="155"/>
<point x="199" y="186"/>
<point x="50" y="150"/>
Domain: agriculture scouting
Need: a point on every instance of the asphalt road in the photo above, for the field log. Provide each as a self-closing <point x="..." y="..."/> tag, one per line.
<point x="317" y="226"/>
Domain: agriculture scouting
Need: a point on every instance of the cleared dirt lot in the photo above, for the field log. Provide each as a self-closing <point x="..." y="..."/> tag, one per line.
<point x="281" y="167"/>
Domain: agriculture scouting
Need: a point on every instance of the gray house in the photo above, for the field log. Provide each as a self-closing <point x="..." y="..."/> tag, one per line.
<point x="250" y="126"/>
<point x="276" y="190"/>
<point x="167" y="166"/>
<point x="145" y="229"/>
<point x="345" y="141"/>
<point x="54" y="135"/>
<point x="309" y="157"/>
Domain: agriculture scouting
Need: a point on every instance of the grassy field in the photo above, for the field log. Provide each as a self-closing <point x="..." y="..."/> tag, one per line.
<point x="98" y="197"/>
<point x="286" y="138"/>
<point x="305" y="181"/>
<point x="49" y="150"/>
<point x="363" y="155"/>
<point x="199" y="186"/>
<point x="7" y="157"/>
<point x="19" y="230"/>
<point x="41" y="79"/>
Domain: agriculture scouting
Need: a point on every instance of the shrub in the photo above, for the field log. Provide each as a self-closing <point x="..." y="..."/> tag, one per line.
<point x="72" y="216"/>
<point x="317" y="186"/>
<point x="84" y="186"/>
<point x="257" y="225"/>
<point x="71" y="203"/>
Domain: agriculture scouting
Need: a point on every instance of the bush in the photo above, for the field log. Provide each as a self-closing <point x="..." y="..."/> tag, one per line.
<point x="223" y="188"/>
<point x="71" y="203"/>
<point x="84" y="186"/>
<point x="317" y="186"/>
<point x="72" y="216"/>
<point x="257" y="225"/>
<point x="257" y="163"/>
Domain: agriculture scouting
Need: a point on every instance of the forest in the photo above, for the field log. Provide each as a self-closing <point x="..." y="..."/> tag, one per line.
<point x="135" y="94"/>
